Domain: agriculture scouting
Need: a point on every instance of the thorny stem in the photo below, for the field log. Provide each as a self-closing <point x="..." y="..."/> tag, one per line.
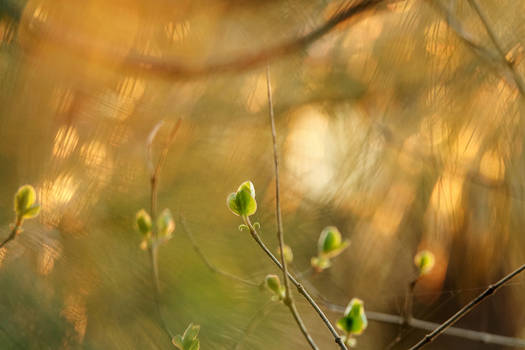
<point x="288" y="297"/>
<point x="16" y="229"/>
<point x="153" y="248"/>
<point x="466" y="309"/>
<point x="338" y="339"/>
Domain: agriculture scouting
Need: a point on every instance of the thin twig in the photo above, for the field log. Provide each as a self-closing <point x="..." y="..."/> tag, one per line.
<point x="509" y="72"/>
<point x="482" y="337"/>
<point x="181" y="70"/>
<point x="16" y="229"/>
<point x="466" y="309"/>
<point x="404" y="328"/>
<point x="492" y="35"/>
<point x="153" y="248"/>
<point x="207" y="262"/>
<point x="288" y="297"/>
<point x="254" y="321"/>
<point x="338" y="339"/>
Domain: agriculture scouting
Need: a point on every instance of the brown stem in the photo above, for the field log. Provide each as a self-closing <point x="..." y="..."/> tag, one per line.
<point x="338" y="339"/>
<point x="288" y="297"/>
<point x="207" y="262"/>
<point x="181" y="70"/>
<point x="467" y="309"/>
<point x="14" y="232"/>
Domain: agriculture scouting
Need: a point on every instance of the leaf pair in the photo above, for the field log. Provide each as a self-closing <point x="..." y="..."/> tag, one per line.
<point x="189" y="340"/>
<point x="329" y="246"/>
<point x="242" y="203"/>
<point x="354" y="321"/>
<point x="165" y="225"/>
<point x="25" y="203"/>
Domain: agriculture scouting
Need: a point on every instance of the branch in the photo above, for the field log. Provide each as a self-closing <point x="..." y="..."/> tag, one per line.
<point x="509" y="72"/>
<point x="254" y="321"/>
<point x="174" y="69"/>
<point x="484" y="19"/>
<point x="288" y="297"/>
<point x="16" y="229"/>
<point x="338" y="339"/>
<point x="466" y="309"/>
<point x="207" y="262"/>
<point x="482" y="337"/>
<point x="153" y="248"/>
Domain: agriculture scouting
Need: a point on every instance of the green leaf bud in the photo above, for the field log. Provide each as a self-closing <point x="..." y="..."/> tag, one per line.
<point x="165" y="224"/>
<point x="273" y="283"/>
<point x="320" y="263"/>
<point x="330" y="242"/>
<point x="242" y="202"/>
<point x="354" y="319"/>
<point x="25" y="206"/>
<point x="424" y="261"/>
<point x="143" y="222"/>
<point x="189" y="340"/>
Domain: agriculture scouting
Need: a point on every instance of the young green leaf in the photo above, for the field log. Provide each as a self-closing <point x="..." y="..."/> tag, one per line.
<point x="273" y="283"/>
<point x="242" y="202"/>
<point x="424" y="261"/>
<point x="330" y="242"/>
<point x="320" y="263"/>
<point x="25" y="206"/>
<point x="165" y="224"/>
<point x="32" y="212"/>
<point x="143" y="222"/>
<point x="189" y="340"/>
<point x="354" y="319"/>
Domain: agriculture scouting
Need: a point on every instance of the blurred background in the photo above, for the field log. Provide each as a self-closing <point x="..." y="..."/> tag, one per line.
<point x="402" y="126"/>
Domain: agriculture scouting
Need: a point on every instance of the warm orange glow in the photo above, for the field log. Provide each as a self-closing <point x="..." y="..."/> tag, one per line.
<point x="492" y="166"/>
<point x="390" y="212"/>
<point x="75" y="312"/>
<point x="47" y="258"/>
<point x="177" y="31"/>
<point x="467" y="145"/>
<point x="447" y="193"/>
<point x="307" y="150"/>
<point x="65" y="142"/>
<point x="255" y="93"/>
<point x="94" y="154"/>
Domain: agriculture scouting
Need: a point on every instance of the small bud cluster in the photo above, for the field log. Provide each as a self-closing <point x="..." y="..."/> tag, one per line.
<point x="353" y="322"/>
<point x="25" y="203"/>
<point x="189" y="340"/>
<point x="165" y="226"/>
<point x="329" y="246"/>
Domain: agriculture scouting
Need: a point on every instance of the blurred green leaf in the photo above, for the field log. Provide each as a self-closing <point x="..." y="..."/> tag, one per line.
<point x="165" y="224"/>
<point x="143" y="222"/>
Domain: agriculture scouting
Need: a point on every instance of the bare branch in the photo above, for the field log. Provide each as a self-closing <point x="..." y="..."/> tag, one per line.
<point x="467" y="309"/>
<point x="153" y="248"/>
<point x="288" y="297"/>
<point x="207" y="262"/>
<point x="174" y="69"/>
<point x="338" y="339"/>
